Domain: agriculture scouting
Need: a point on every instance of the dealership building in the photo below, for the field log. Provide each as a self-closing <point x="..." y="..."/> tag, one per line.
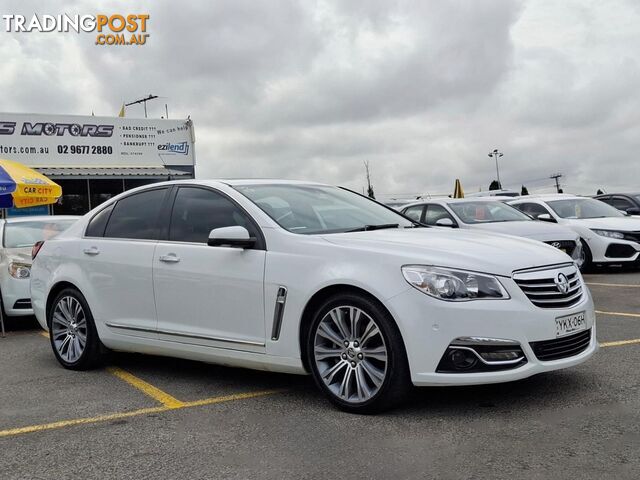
<point x="95" y="158"/>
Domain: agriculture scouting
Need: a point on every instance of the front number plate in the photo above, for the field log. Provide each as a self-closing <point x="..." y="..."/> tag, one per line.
<point x="570" y="324"/>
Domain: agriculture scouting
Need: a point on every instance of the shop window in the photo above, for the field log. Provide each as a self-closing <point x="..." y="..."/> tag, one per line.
<point x="104" y="189"/>
<point x="75" y="197"/>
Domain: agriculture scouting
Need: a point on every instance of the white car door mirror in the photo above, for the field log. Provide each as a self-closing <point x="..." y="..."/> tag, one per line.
<point x="445" y="222"/>
<point x="546" y="217"/>
<point x="231" y="237"/>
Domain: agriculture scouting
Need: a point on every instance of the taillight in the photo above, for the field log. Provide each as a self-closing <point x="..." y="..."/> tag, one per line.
<point x="36" y="248"/>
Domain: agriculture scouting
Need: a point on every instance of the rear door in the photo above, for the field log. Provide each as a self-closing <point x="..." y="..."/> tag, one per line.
<point x="212" y="296"/>
<point x="117" y="255"/>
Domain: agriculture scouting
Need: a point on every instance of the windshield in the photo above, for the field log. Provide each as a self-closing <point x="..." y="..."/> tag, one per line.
<point x="26" y="234"/>
<point x="583" y="208"/>
<point x="487" y="212"/>
<point x="310" y="209"/>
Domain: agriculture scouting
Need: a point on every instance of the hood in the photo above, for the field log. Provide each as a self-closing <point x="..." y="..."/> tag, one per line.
<point x="624" y="224"/>
<point x="21" y="255"/>
<point x="463" y="249"/>
<point x="541" y="231"/>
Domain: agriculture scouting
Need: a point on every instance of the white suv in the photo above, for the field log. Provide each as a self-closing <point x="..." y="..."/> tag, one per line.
<point x="301" y="277"/>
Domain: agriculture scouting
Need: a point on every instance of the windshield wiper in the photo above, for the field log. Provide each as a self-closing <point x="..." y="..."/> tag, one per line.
<point x="367" y="228"/>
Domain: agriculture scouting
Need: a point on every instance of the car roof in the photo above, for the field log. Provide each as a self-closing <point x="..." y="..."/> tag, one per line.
<point x="621" y="194"/>
<point x="548" y="197"/>
<point x="259" y="181"/>
<point x="441" y="201"/>
<point x="40" y="218"/>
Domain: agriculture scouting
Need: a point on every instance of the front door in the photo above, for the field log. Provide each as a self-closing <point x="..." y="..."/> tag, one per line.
<point x="210" y="296"/>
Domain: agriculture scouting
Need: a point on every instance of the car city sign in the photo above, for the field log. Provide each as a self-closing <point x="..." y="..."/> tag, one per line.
<point x="115" y="29"/>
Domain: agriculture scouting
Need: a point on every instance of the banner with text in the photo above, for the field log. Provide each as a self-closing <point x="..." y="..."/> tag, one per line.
<point x="86" y="141"/>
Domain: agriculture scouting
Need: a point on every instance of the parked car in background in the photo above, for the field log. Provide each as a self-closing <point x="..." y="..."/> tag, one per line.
<point x="301" y="277"/>
<point x="628" y="203"/>
<point x="494" y="193"/>
<point x="607" y="235"/>
<point x="395" y="203"/>
<point x="18" y="237"/>
<point x="492" y="215"/>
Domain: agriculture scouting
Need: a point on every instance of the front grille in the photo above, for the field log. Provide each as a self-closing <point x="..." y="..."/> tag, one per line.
<point x="633" y="236"/>
<point x="562" y="347"/>
<point x="543" y="287"/>
<point x="567" y="246"/>
<point x="23" y="303"/>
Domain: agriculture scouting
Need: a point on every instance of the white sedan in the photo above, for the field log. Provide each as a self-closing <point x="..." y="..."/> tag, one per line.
<point x="301" y="278"/>
<point x="607" y="235"/>
<point x="492" y="215"/>
<point x="18" y="235"/>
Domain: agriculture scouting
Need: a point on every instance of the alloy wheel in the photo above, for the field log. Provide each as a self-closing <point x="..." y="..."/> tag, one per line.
<point x="69" y="329"/>
<point x="350" y="354"/>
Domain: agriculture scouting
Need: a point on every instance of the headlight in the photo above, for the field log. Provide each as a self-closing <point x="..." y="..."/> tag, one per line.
<point x="608" y="233"/>
<point x="453" y="285"/>
<point x="19" y="270"/>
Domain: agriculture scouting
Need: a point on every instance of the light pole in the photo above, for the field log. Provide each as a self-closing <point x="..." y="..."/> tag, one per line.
<point x="497" y="154"/>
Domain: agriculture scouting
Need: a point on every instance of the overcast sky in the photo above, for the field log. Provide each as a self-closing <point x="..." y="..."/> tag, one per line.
<point x="307" y="89"/>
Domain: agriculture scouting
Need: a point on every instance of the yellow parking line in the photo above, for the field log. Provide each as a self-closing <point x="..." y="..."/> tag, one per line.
<point x="163" y="397"/>
<point x="620" y="343"/>
<point x="44" y="334"/>
<point x="143" y="411"/>
<point x="620" y="314"/>
<point x="624" y="285"/>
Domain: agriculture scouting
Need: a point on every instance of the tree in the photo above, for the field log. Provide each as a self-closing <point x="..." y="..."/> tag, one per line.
<point x="524" y="191"/>
<point x="495" y="185"/>
<point x="370" y="193"/>
<point x="599" y="192"/>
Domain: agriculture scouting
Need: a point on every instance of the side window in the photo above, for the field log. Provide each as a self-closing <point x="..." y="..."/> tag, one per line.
<point x="98" y="223"/>
<point x="197" y="211"/>
<point x="136" y="216"/>
<point x="532" y="209"/>
<point x="620" y="203"/>
<point x="415" y="212"/>
<point x="435" y="213"/>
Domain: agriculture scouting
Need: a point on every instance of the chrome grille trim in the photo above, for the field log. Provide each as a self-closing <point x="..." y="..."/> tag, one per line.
<point x="539" y="285"/>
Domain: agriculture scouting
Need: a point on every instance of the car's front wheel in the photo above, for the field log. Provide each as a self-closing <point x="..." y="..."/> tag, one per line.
<point x="72" y="332"/>
<point x="586" y="258"/>
<point x="357" y="356"/>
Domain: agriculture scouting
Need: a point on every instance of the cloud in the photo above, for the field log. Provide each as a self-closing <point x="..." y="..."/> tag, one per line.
<point x="420" y="89"/>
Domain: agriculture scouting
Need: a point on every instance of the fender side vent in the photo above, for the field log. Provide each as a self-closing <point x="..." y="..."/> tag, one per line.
<point x="278" y="313"/>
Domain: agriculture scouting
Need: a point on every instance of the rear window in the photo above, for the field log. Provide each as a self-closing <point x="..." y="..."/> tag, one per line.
<point x="26" y="234"/>
<point x="136" y="216"/>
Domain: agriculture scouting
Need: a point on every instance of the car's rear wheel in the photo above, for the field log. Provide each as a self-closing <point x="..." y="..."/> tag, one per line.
<point x="357" y="356"/>
<point x="72" y="331"/>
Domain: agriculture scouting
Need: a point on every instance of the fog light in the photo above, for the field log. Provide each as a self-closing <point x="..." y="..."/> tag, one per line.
<point x="500" y="356"/>
<point x="462" y="359"/>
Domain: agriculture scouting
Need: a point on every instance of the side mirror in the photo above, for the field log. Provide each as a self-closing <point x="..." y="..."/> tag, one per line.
<point x="633" y="211"/>
<point x="545" y="217"/>
<point x="445" y="222"/>
<point x="231" y="237"/>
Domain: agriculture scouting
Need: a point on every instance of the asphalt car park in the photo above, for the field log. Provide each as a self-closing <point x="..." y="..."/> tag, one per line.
<point x="151" y="417"/>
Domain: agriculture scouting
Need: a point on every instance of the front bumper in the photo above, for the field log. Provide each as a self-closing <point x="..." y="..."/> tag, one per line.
<point x="605" y="250"/>
<point x="428" y="327"/>
<point x="16" y="297"/>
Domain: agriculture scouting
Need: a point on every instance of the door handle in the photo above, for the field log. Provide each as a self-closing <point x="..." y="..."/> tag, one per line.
<point x="170" y="258"/>
<point x="91" y="251"/>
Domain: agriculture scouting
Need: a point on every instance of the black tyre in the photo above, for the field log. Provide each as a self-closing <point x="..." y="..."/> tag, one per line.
<point x="72" y="331"/>
<point x="357" y="356"/>
<point x="587" y="258"/>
